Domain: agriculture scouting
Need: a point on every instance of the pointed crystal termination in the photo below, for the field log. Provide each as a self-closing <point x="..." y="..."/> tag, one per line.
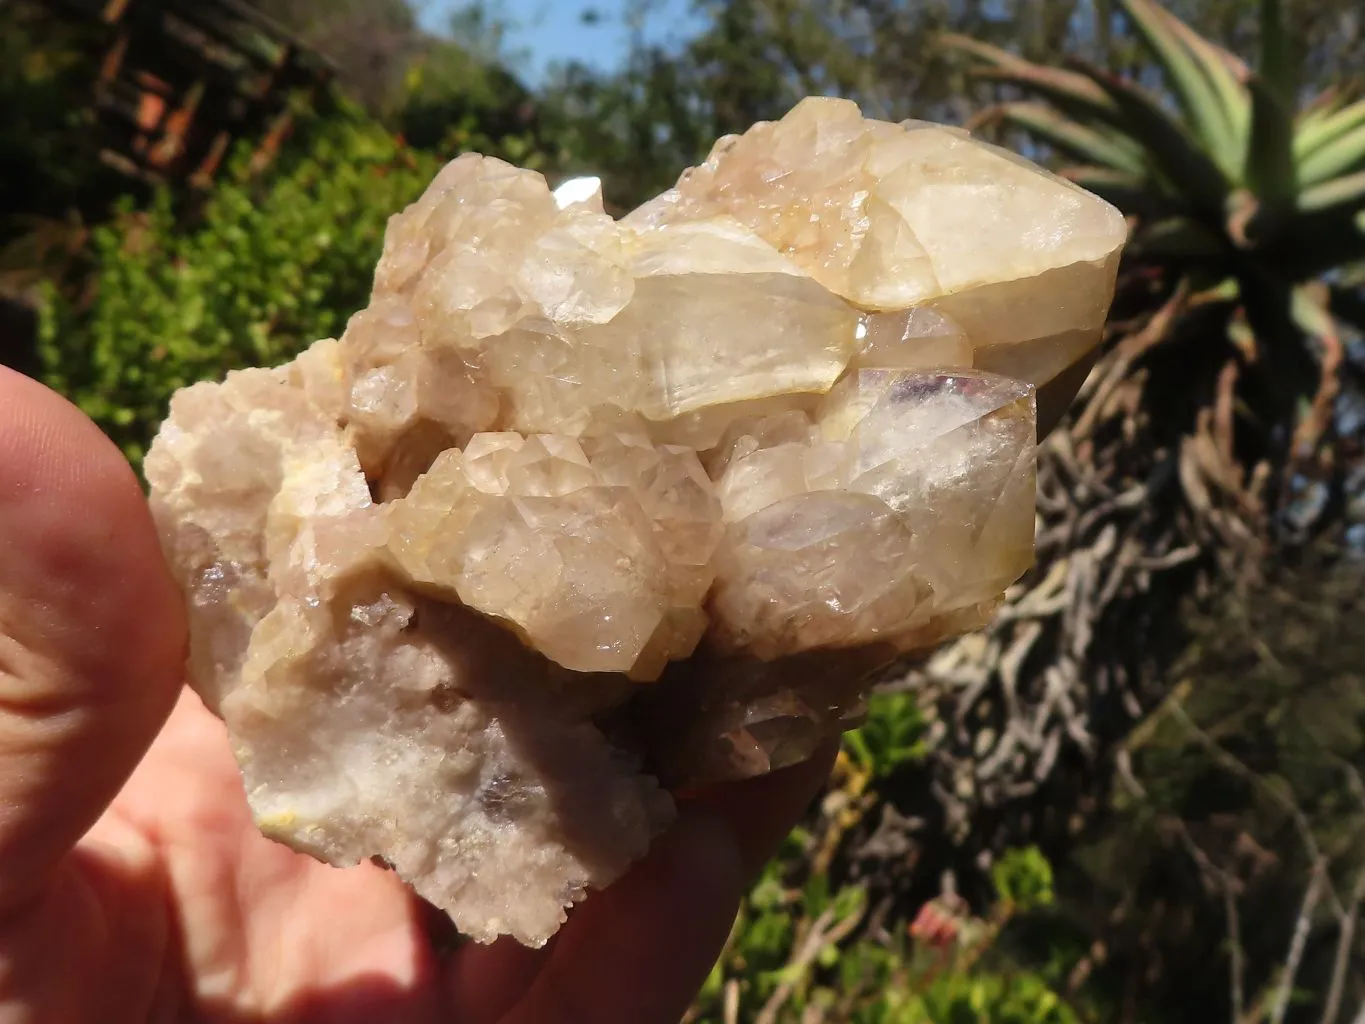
<point x="909" y="217"/>
<point x="578" y="510"/>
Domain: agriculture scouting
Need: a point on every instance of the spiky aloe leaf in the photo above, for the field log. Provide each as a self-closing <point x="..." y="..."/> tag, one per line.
<point x="1270" y="171"/>
<point x="1070" y="137"/>
<point x="1131" y="193"/>
<point x="1225" y="69"/>
<point x="1196" y="92"/>
<point x="1319" y="241"/>
<point x="1069" y="92"/>
<point x="1073" y="94"/>
<point x="1181" y="238"/>
<point x="1318" y="109"/>
<point x="1170" y="147"/>
<point x="1341" y="156"/>
<point x="1309" y="307"/>
<point x="1277" y="65"/>
<point x="1315" y="133"/>
<point x="1342" y="196"/>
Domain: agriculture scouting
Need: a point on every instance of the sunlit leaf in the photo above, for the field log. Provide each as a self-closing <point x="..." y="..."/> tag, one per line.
<point x="1341" y="195"/>
<point x="1170" y="146"/>
<point x="1226" y="71"/>
<point x="1074" y="139"/>
<point x="1072" y="93"/>
<point x="1209" y="119"/>
<point x="1331" y="124"/>
<point x="1341" y="156"/>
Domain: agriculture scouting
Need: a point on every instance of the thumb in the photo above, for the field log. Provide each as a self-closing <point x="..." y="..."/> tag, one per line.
<point x="92" y="631"/>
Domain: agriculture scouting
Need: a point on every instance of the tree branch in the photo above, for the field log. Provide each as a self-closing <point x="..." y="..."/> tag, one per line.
<point x="823" y="933"/>
<point x="1225" y="882"/>
<point x="1301" y="823"/>
<point x="1348" y="921"/>
<point x="1346" y="938"/>
<point x="1236" y="968"/>
<point x="1302" y="926"/>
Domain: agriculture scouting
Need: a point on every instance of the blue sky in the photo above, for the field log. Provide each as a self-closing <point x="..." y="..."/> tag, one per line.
<point x="553" y="30"/>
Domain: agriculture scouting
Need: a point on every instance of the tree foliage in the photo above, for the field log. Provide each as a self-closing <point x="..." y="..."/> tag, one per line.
<point x="265" y="268"/>
<point x="49" y="173"/>
<point x="1228" y="875"/>
<point x="752" y="59"/>
<point x="369" y="41"/>
<point x="808" y="947"/>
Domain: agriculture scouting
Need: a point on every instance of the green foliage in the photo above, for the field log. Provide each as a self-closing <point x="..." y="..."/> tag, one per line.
<point x="752" y="59"/>
<point x="1023" y="879"/>
<point x="798" y="951"/>
<point x="1228" y="179"/>
<point x="50" y="177"/>
<point x="262" y="270"/>
<point x="1192" y="145"/>
<point x="43" y="72"/>
<point x="983" y="999"/>
<point x="1241" y="822"/>
<point x="444" y="93"/>
<point x="1237" y="166"/>
<point x="368" y="41"/>
<point x="456" y="101"/>
<point x="803" y="946"/>
<point x="892" y="735"/>
<point x="448" y="92"/>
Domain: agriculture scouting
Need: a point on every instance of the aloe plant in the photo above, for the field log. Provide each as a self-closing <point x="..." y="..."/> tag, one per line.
<point x="1233" y="179"/>
<point x="1238" y="167"/>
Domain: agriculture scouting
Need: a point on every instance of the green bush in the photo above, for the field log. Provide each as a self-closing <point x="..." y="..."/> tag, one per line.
<point x="804" y="952"/>
<point x="805" y="948"/>
<point x="264" y="268"/>
<point x="892" y="735"/>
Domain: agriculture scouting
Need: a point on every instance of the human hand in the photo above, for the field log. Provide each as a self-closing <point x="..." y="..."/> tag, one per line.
<point x="134" y="886"/>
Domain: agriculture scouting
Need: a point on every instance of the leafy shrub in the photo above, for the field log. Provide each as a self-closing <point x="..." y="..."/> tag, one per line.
<point x="264" y="268"/>
<point x="803" y="952"/>
<point x="46" y="69"/>
<point x="806" y="948"/>
<point x="1023" y="880"/>
<point x="892" y="735"/>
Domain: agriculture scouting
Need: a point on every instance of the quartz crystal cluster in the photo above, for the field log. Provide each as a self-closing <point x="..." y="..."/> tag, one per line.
<point x="579" y="510"/>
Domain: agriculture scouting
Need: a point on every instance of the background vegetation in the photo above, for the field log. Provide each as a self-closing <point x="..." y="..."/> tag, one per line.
<point x="1138" y="795"/>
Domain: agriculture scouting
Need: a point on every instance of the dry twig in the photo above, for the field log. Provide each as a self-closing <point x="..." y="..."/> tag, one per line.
<point x="1302" y="925"/>
<point x="825" y="932"/>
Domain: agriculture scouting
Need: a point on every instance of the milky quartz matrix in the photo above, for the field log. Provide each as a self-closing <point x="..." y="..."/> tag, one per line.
<point x="578" y="511"/>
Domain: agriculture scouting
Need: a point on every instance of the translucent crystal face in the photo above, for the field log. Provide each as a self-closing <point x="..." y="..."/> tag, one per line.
<point x="575" y="503"/>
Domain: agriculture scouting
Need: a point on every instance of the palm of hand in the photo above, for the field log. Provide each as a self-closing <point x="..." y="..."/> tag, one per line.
<point x="176" y="902"/>
<point x="154" y="898"/>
